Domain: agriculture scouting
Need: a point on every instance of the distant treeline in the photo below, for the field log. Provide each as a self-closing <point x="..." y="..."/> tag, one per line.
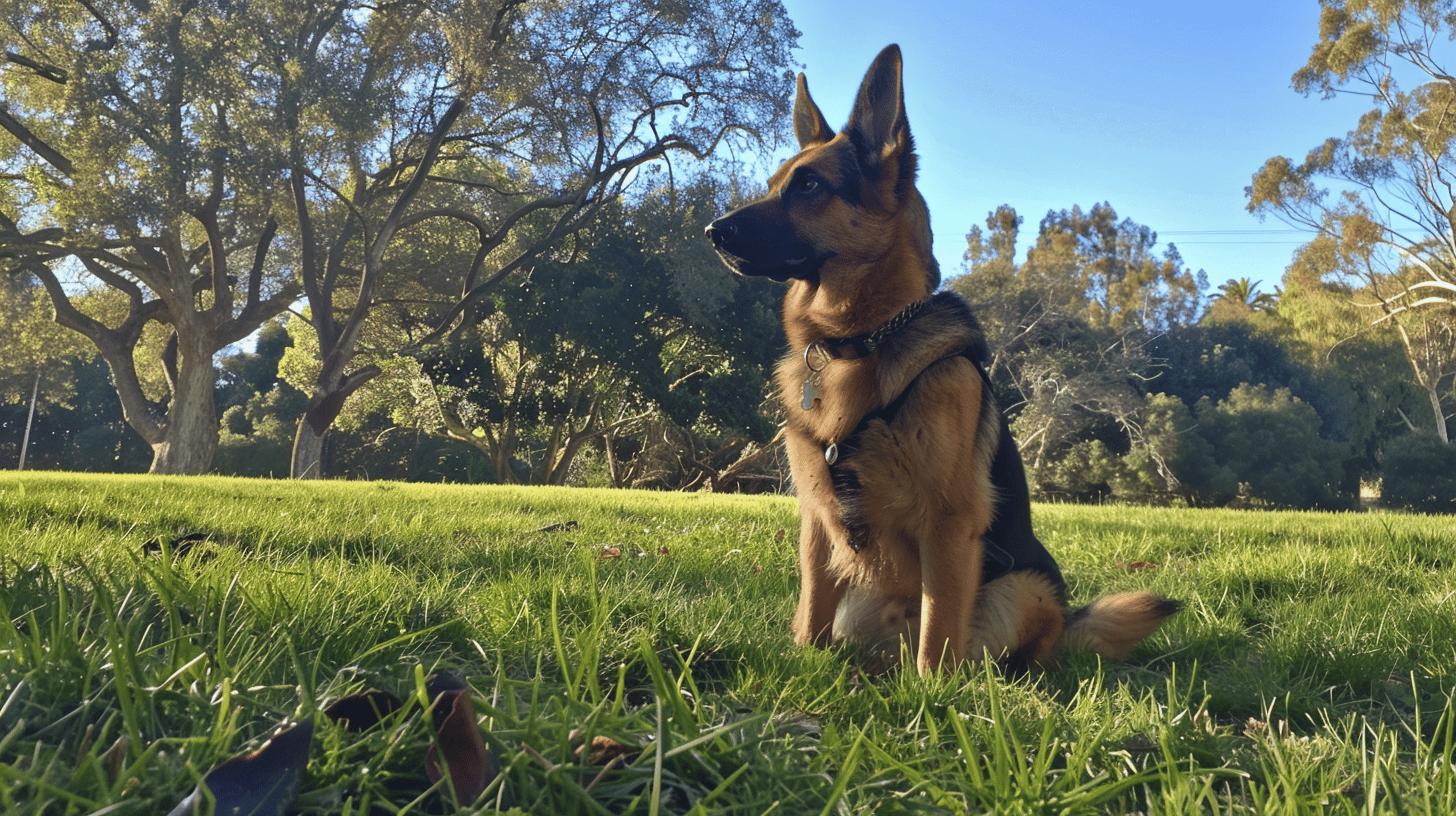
<point x="639" y="362"/>
<point x="436" y="240"/>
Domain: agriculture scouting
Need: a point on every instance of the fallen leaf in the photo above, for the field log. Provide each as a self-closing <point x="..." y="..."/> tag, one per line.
<point x="611" y="552"/>
<point x="757" y="568"/>
<point x="1138" y="566"/>
<point x="603" y="750"/>
<point x="114" y="757"/>
<point x="261" y="783"/>
<point x="662" y="550"/>
<point x="362" y="711"/>
<point x="459" y="749"/>
<point x="779" y="536"/>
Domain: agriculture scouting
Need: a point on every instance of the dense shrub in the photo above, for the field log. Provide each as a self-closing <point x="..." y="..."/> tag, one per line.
<point x="1419" y="473"/>
<point x="1267" y="451"/>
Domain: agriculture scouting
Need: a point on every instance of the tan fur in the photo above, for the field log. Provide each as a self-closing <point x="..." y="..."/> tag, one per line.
<point x="928" y="504"/>
<point x="928" y="507"/>
<point x="925" y="498"/>
<point x="1016" y="615"/>
<point x="1113" y="624"/>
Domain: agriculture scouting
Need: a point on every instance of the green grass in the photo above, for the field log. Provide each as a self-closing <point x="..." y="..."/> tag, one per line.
<point x="1311" y="671"/>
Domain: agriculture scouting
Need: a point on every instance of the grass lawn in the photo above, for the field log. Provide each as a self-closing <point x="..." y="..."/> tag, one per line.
<point x="1311" y="671"/>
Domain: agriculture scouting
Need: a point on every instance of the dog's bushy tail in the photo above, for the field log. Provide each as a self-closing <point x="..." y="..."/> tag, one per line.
<point x="1113" y="624"/>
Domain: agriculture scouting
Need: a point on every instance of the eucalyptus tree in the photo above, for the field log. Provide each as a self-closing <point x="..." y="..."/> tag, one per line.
<point x="1383" y="196"/>
<point x="1070" y="325"/>
<point x="217" y="161"/>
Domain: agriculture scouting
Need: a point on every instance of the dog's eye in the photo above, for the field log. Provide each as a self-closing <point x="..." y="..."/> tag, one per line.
<point x="806" y="183"/>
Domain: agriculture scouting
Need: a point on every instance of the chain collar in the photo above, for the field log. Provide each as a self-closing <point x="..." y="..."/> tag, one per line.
<point x="862" y="345"/>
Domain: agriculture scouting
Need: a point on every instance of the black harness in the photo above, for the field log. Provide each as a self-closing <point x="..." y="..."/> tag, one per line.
<point x="1009" y="544"/>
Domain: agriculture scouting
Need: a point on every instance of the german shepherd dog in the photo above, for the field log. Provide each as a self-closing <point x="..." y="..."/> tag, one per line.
<point x="915" y="519"/>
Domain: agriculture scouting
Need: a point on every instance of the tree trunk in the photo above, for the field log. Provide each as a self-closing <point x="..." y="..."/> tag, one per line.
<point x="308" y="451"/>
<point x="313" y="426"/>
<point x="1440" y="414"/>
<point x="190" y="437"/>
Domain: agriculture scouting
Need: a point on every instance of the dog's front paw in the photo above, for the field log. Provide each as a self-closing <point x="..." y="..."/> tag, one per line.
<point x="807" y="631"/>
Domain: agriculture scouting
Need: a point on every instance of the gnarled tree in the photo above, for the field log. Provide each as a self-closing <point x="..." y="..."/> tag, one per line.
<point x="549" y="111"/>
<point x="1383" y="196"/>
<point x="214" y="160"/>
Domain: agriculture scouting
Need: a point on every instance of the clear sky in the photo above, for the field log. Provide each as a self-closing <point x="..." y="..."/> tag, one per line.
<point x="1164" y="109"/>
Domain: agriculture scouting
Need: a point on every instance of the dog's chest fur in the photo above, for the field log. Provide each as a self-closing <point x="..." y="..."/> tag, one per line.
<point x="913" y="443"/>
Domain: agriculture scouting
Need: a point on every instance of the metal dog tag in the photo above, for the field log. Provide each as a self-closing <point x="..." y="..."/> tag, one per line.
<point x="831" y="453"/>
<point x="811" y="394"/>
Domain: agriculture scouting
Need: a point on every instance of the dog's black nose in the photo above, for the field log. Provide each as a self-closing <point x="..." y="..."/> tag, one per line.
<point x="721" y="230"/>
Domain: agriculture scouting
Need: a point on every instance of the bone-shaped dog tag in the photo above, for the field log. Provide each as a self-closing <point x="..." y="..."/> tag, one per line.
<point x="811" y="394"/>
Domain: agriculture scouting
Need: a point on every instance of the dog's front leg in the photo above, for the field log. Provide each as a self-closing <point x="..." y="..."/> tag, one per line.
<point x="950" y="576"/>
<point x="819" y="592"/>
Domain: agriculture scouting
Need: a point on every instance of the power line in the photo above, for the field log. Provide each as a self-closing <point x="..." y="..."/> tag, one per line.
<point x="1236" y="232"/>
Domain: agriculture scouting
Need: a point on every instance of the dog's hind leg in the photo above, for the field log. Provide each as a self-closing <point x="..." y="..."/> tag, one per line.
<point x="1018" y="620"/>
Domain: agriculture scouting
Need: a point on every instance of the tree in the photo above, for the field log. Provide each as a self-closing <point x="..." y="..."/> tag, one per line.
<point x="133" y="141"/>
<point x="1069" y="329"/>
<point x="1420" y="474"/>
<point x="177" y="146"/>
<point x="1105" y="271"/>
<point x="1381" y="197"/>
<point x="38" y="353"/>
<point x="636" y="334"/>
<point x="1241" y="295"/>
<point x="1269" y="451"/>
<point x="559" y="106"/>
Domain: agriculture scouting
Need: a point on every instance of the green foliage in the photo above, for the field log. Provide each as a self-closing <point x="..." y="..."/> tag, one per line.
<point x="1292" y="684"/>
<point x="33" y="345"/>
<point x="636" y="326"/>
<point x="1269" y="451"/>
<point x="1173" y="457"/>
<point x="210" y="162"/>
<point x="87" y="433"/>
<point x="1420" y="474"/>
<point x="1379" y="197"/>
<point x="257" y="436"/>
<point x="1239" y="299"/>
<point x="1105" y="271"/>
<point x="1074" y="332"/>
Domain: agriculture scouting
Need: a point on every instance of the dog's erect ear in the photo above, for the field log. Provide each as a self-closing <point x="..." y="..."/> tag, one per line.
<point x="809" y="123"/>
<point x="877" y="124"/>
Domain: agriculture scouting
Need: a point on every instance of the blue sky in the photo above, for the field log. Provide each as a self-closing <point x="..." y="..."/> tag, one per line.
<point x="1164" y="109"/>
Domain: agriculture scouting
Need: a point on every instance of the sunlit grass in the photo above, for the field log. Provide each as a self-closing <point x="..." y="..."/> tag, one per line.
<point x="1311" y="671"/>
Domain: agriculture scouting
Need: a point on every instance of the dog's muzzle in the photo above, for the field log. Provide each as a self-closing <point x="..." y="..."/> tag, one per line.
<point x="761" y="250"/>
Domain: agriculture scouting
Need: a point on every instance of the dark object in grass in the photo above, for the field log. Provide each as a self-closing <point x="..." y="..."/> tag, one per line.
<point x="114" y="758"/>
<point x="605" y="749"/>
<point x="559" y="527"/>
<point x="439" y="684"/>
<point x="261" y="783"/>
<point x="362" y="711"/>
<point x="179" y="546"/>
<point x="458" y="749"/>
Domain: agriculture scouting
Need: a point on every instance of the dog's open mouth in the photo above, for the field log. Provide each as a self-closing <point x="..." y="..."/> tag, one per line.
<point x="804" y="266"/>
